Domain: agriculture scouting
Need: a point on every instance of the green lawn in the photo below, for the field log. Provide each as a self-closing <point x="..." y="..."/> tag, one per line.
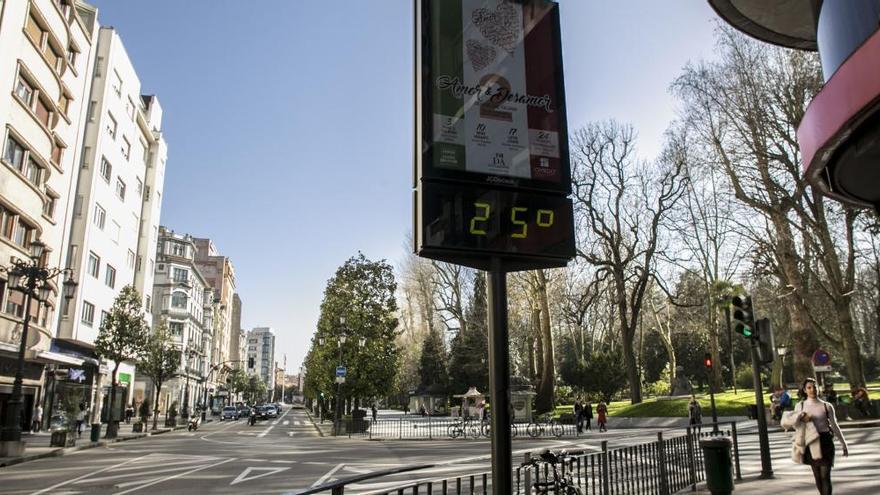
<point x="727" y="404"/>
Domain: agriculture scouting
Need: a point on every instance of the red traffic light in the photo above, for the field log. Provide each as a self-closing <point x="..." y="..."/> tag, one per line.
<point x="707" y="361"/>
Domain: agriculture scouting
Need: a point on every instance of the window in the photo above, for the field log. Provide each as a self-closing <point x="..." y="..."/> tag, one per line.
<point x="104" y="316"/>
<point x="24" y="91"/>
<point x="148" y="303"/>
<point x="94" y="264"/>
<point x="100" y="216"/>
<point x="106" y="170"/>
<point x="44" y="115"/>
<point x="140" y="187"/>
<point x="34" y="172"/>
<point x="57" y="153"/>
<point x="22" y="233"/>
<point x="126" y="148"/>
<point x="116" y="84"/>
<point x="129" y="108"/>
<point x="130" y="259"/>
<point x="178" y="249"/>
<point x="178" y="300"/>
<point x="120" y="189"/>
<point x="111" y="125"/>
<point x="13" y="154"/>
<point x="71" y="56"/>
<point x="50" y="204"/>
<point x="181" y="275"/>
<point x="110" y="276"/>
<point x="14" y="303"/>
<point x="88" y="313"/>
<point x="34" y="30"/>
<point x="63" y="103"/>
<point x="175" y="328"/>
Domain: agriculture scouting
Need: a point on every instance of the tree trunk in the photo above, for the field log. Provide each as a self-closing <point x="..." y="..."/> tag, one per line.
<point x="530" y="343"/>
<point x="539" y="344"/>
<point x="156" y="405"/>
<point x="855" y="371"/>
<point x="544" y="400"/>
<point x="112" y="424"/>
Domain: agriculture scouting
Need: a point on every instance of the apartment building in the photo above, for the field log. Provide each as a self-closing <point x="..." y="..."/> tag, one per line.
<point x="117" y="200"/>
<point x="235" y="354"/>
<point x="183" y="301"/>
<point x="220" y="275"/>
<point x="261" y="355"/>
<point x="46" y="57"/>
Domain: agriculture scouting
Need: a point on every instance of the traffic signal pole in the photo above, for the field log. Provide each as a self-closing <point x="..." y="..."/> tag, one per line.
<point x="763" y="439"/>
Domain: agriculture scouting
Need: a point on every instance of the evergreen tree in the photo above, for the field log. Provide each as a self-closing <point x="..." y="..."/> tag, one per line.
<point x="469" y="356"/>
<point x="432" y="365"/>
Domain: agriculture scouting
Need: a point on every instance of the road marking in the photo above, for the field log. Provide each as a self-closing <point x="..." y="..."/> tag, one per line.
<point x="286" y="422"/>
<point x="284" y="462"/>
<point x="44" y="490"/>
<point x="244" y="474"/>
<point x="160" y="480"/>
<point x="329" y="474"/>
<point x="267" y="430"/>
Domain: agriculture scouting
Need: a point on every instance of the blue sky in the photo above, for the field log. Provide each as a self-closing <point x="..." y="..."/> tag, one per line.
<point x="289" y="123"/>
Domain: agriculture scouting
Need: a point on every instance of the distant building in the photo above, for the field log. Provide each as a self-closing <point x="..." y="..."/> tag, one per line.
<point x="235" y="354"/>
<point x="261" y="355"/>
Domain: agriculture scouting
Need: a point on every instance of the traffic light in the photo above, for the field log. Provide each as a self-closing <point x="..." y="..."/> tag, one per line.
<point x="707" y="361"/>
<point x="743" y="317"/>
<point x="766" y="343"/>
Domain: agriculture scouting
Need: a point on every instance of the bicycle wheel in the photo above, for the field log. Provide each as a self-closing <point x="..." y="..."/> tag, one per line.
<point x="571" y="490"/>
<point x="474" y="430"/>
<point x="514" y="431"/>
<point x="534" y="430"/>
<point x="556" y="429"/>
<point x="486" y="430"/>
<point x="454" y="431"/>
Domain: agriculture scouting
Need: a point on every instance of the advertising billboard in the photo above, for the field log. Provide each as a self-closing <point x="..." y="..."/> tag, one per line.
<point x="492" y="165"/>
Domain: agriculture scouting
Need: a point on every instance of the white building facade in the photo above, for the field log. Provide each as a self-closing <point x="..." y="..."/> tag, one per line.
<point x="117" y="201"/>
<point x="46" y="53"/>
<point x="261" y="355"/>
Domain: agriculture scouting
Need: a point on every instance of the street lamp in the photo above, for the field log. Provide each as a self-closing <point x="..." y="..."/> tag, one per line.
<point x="31" y="277"/>
<point x="782" y="350"/>
<point x="189" y="355"/>
<point x="341" y="336"/>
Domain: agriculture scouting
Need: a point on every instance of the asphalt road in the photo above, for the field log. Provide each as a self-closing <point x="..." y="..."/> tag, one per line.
<point x="276" y="456"/>
<point x="287" y="455"/>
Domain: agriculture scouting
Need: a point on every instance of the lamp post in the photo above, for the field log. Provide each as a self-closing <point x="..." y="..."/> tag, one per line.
<point x="31" y="277"/>
<point x="782" y="350"/>
<point x="189" y="355"/>
<point x="208" y="378"/>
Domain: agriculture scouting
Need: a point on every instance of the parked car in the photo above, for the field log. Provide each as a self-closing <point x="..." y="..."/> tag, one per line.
<point x="262" y="412"/>
<point x="230" y="412"/>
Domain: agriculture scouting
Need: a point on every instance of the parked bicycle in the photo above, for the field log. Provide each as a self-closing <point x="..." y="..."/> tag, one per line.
<point x="547" y="424"/>
<point x="465" y="428"/>
<point x="560" y="484"/>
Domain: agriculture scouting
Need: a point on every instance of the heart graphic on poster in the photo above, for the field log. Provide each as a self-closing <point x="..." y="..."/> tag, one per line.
<point x="501" y="26"/>
<point x="480" y="54"/>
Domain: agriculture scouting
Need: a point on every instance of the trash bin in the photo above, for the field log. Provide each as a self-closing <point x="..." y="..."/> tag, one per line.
<point x="719" y="465"/>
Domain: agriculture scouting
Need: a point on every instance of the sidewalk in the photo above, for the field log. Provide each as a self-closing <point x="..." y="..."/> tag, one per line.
<point x="38" y="444"/>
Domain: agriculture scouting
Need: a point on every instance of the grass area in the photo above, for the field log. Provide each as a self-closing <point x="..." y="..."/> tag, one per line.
<point x="727" y="403"/>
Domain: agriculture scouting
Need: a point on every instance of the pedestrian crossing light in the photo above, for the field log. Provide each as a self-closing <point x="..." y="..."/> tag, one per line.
<point x="707" y="361"/>
<point x="743" y="318"/>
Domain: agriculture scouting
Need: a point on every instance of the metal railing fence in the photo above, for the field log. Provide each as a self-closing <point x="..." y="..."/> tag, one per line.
<point x="670" y="464"/>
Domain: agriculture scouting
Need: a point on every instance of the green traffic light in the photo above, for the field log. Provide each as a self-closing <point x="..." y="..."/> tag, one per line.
<point x="745" y="330"/>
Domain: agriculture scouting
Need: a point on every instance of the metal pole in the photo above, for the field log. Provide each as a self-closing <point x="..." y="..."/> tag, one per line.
<point x="763" y="439"/>
<point x="499" y="381"/>
<point x="714" y="412"/>
<point x="12" y="429"/>
<point x="730" y="349"/>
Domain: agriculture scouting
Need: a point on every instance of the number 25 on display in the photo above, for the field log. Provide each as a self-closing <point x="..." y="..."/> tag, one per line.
<point x="544" y="219"/>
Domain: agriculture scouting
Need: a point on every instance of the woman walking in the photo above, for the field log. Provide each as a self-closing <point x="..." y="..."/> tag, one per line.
<point x="815" y="427"/>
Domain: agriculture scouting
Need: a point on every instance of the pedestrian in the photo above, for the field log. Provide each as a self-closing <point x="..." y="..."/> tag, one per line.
<point x="830" y="394"/>
<point x="861" y="402"/>
<point x="815" y="426"/>
<point x="588" y="415"/>
<point x="579" y="415"/>
<point x="695" y="411"/>
<point x="38" y="419"/>
<point x="129" y="412"/>
<point x="373" y="410"/>
<point x="80" y="419"/>
<point x="602" y="412"/>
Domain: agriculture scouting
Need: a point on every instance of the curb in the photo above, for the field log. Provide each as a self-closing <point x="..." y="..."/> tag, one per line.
<point x="318" y="429"/>
<point x="62" y="451"/>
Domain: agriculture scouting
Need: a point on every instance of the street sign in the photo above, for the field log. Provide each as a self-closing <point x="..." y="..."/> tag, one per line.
<point x="492" y="171"/>
<point x="821" y="358"/>
<point x="822" y="368"/>
<point x="340" y="379"/>
<point x="341" y="371"/>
